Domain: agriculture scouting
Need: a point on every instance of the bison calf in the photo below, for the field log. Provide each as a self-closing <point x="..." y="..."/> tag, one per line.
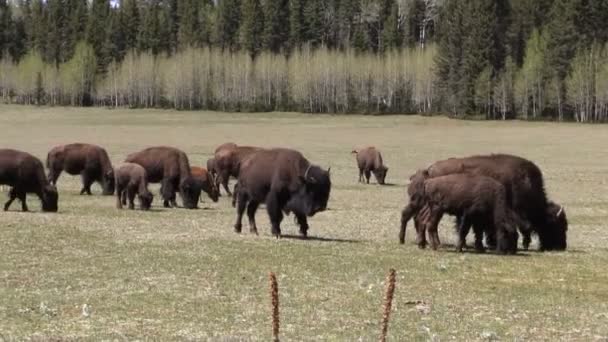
<point x="207" y="182"/>
<point x="91" y="162"/>
<point x="131" y="180"/>
<point x="369" y="160"/>
<point x="24" y="173"/>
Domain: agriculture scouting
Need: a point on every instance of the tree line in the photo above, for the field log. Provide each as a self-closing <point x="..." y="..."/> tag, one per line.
<point x="544" y="59"/>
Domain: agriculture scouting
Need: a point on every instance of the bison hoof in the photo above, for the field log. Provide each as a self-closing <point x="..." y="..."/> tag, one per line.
<point x="237" y="228"/>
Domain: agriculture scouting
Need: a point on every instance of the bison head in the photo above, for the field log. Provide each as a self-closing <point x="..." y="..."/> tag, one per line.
<point x="190" y="192"/>
<point x="380" y="174"/>
<point x="108" y="182"/>
<point x="415" y="189"/>
<point x="49" y="198"/>
<point x="314" y="194"/>
<point x="210" y="187"/>
<point x="211" y="165"/>
<point x="145" y="200"/>
<point x="556" y="229"/>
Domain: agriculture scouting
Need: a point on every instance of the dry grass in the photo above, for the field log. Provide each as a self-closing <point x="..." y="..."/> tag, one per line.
<point x="179" y="274"/>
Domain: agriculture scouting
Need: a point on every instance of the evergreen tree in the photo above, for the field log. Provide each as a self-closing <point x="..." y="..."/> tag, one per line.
<point x="154" y="32"/>
<point x="188" y="13"/>
<point x="392" y="34"/>
<point x="57" y="33"/>
<point x="276" y="25"/>
<point x="252" y="27"/>
<point x="6" y="27"/>
<point x="347" y="11"/>
<point x="562" y="37"/>
<point x="206" y="15"/>
<point x="228" y="20"/>
<point x="297" y="23"/>
<point x="314" y="27"/>
<point x="130" y="21"/>
<point x="97" y="32"/>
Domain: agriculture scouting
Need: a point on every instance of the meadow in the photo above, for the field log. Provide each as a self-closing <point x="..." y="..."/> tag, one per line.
<point x="177" y="274"/>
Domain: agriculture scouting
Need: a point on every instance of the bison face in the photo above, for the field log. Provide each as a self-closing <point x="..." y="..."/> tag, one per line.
<point x="210" y="187"/>
<point x="557" y="228"/>
<point x="317" y="186"/>
<point x="49" y="199"/>
<point x="108" y="183"/>
<point x="380" y="174"/>
<point x="145" y="201"/>
<point x="190" y="191"/>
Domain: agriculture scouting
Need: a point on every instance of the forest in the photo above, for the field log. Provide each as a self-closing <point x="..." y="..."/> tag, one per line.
<point x="488" y="59"/>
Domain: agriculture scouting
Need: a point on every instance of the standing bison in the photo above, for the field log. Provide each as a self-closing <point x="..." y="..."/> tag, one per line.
<point x="524" y="183"/>
<point x="477" y="199"/>
<point x="227" y="163"/>
<point x="170" y="167"/>
<point x="207" y="182"/>
<point x="91" y="162"/>
<point x="369" y="160"/>
<point x="286" y="182"/>
<point x="131" y="180"/>
<point x="24" y="173"/>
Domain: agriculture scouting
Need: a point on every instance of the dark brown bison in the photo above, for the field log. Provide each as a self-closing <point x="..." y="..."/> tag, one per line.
<point x="170" y="167"/>
<point x="24" y="173"/>
<point x="286" y="182"/>
<point x="131" y="180"/>
<point x="369" y="160"/>
<point x="524" y="183"/>
<point x="227" y="163"/>
<point x="91" y="162"/>
<point x="477" y="199"/>
<point x="207" y="182"/>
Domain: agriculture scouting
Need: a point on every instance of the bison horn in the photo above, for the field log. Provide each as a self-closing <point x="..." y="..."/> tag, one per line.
<point x="328" y="169"/>
<point x="306" y="172"/>
<point x="561" y="209"/>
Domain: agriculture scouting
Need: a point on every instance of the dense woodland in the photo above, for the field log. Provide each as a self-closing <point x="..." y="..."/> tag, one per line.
<point x="495" y="59"/>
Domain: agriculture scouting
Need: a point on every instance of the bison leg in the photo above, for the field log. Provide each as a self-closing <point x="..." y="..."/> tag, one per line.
<point x="463" y="230"/>
<point x="225" y="179"/>
<point x="360" y="175"/>
<point x="53" y="175"/>
<point x="406" y="215"/>
<point x="303" y="223"/>
<point x="527" y="238"/>
<point x="368" y="174"/>
<point x="435" y="217"/>
<point x="11" y="197"/>
<point x="275" y="213"/>
<point x="240" y="209"/>
<point x="167" y="191"/>
<point x="235" y="192"/>
<point x="87" y="181"/>
<point x="119" y="191"/>
<point x="131" y="191"/>
<point x="251" y="209"/>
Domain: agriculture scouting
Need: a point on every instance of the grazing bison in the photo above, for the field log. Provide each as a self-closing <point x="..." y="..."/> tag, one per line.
<point x="286" y="182"/>
<point x="170" y="167"/>
<point x="207" y="182"/>
<point x="227" y="163"/>
<point x="523" y="181"/>
<point x="474" y="198"/>
<point x="369" y="160"/>
<point x="91" y="162"/>
<point x="131" y="180"/>
<point x="24" y="173"/>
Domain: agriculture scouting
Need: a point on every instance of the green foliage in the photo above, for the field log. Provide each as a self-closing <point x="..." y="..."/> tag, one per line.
<point x="227" y="24"/>
<point x="276" y="24"/>
<point x="252" y="26"/>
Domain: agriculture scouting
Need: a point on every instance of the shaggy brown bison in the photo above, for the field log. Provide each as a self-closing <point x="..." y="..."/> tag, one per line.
<point x="227" y="163"/>
<point x="286" y="182"/>
<point x="474" y="198"/>
<point x="24" y="173"/>
<point x="170" y="167"/>
<point x="369" y="160"/>
<point x="131" y="180"/>
<point x="207" y="182"/>
<point x="91" y="162"/>
<point x="523" y="181"/>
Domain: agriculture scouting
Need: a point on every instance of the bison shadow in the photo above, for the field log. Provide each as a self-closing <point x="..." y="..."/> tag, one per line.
<point x="317" y="238"/>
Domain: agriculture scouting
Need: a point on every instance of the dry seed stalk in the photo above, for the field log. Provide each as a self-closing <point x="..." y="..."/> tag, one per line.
<point x="274" y="295"/>
<point x="388" y="301"/>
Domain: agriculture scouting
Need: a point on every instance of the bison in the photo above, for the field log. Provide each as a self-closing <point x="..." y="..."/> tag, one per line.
<point x="477" y="199"/>
<point x="89" y="161"/>
<point x="227" y="163"/>
<point x="524" y="183"/>
<point x="369" y="160"/>
<point x="131" y="180"/>
<point x="170" y="167"/>
<point x="286" y="182"/>
<point x="24" y="173"/>
<point x="207" y="182"/>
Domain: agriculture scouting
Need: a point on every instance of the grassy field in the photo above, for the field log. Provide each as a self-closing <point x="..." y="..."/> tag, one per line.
<point x="175" y="274"/>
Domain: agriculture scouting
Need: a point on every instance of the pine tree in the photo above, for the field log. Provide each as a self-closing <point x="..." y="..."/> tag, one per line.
<point x="314" y="27"/>
<point x="276" y="25"/>
<point x="57" y="35"/>
<point x="97" y="32"/>
<point x="154" y="32"/>
<point x="77" y="23"/>
<point x="347" y="10"/>
<point x="391" y="34"/>
<point x="206" y="15"/>
<point x="562" y="37"/>
<point x="188" y="13"/>
<point x="6" y="27"/>
<point x="252" y="27"/>
<point x="228" y="20"/>
<point x="297" y="23"/>
<point x="130" y="21"/>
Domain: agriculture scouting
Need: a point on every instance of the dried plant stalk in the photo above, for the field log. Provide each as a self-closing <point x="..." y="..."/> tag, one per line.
<point x="274" y="295"/>
<point x="388" y="302"/>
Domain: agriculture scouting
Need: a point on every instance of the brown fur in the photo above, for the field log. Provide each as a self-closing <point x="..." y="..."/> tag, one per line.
<point x="227" y="163"/>
<point x="207" y="182"/>
<point x="170" y="167"/>
<point x="470" y="196"/>
<point x="24" y="173"/>
<point x="369" y="160"/>
<point x="89" y="161"/>
<point x="131" y="180"/>
<point x="284" y="180"/>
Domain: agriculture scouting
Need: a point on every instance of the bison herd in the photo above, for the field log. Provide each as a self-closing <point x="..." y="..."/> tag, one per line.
<point x="497" y="195"/>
